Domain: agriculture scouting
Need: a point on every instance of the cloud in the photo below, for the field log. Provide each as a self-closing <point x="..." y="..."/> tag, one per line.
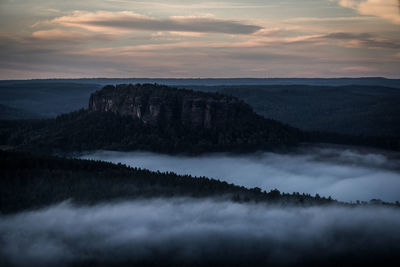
<point x="345" y="39"/>
<point x="348" y="3"/>
<point x="106" y="21"/>
<point x="347" y="36"/>
<point x="270" y="32"/>
<point x="343" y="173"/>
<point x="68" y="36"/>
<point x="386" y="9"/>
<point x="28" y="57"/>
<point x="328" y="19"/>
<point x="363" y="40"/>
<point x="190" y="232"/>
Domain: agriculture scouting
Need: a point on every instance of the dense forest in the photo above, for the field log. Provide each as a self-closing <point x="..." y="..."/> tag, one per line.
<point x="83" y="130"/>
<point x="352" y="110"/>
<point x="91" y="130"/>
<point x="28" y="181"/>
<point x="351" y="107"/>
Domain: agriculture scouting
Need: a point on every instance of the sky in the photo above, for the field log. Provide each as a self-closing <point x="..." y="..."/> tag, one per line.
<point x="199" y="39"/>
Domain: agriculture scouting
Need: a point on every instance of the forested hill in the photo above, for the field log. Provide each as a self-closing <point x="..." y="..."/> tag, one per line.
<point x="355" y="110"/>
<point x="154" y="118"/>
<point x="169" y="120"/>
<point x="48" y="180"/>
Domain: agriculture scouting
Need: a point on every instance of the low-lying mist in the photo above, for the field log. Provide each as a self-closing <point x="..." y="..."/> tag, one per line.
<point x="204" y="231"/>
<point x="346" y="174"/>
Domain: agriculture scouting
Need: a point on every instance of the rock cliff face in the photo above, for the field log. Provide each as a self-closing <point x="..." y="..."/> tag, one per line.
<point x="162" y="105"/>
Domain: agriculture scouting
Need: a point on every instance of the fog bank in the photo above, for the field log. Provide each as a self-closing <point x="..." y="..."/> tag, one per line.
<point x="346" y="174"/>
<point x="187" y="230"/>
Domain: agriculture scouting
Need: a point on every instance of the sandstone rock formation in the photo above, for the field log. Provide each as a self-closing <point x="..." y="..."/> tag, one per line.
<point x="161" y="105"/>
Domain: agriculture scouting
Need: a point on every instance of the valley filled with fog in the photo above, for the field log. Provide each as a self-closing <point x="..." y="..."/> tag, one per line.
<point x="344" y="173"/>
<point x="197" y="231"/>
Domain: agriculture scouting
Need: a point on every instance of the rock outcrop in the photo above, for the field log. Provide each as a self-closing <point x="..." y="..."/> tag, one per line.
<point x="161" y="105"/>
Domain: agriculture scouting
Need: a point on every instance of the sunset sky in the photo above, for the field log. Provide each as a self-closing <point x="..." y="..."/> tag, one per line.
<point x="236" y="38"/>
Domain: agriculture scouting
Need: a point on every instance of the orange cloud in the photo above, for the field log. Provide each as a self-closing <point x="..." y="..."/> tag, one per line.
<point x="386" y="9"/>
<point x="63" y="35"/>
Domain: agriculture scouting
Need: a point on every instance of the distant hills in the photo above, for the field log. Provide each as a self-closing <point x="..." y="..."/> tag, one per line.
<point x="9" y="113"/>
<point x="367" y="81"/>
<point x="354" y="110"/>
<point x="46" y="99"/>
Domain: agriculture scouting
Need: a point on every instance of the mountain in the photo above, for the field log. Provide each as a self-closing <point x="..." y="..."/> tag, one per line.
<point x="154" y="118"/>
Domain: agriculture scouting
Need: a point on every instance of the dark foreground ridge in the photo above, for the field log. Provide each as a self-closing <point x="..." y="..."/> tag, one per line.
<point x="155" y="118"/>
<point x="29" y="181"/>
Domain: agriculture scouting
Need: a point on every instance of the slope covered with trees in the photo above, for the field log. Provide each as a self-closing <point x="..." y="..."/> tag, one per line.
<point x="28" y="181"/>
<point x="352" y="109"/>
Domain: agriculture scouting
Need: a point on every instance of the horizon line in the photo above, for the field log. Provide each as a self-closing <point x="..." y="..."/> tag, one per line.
<point x="202" y="78"/>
